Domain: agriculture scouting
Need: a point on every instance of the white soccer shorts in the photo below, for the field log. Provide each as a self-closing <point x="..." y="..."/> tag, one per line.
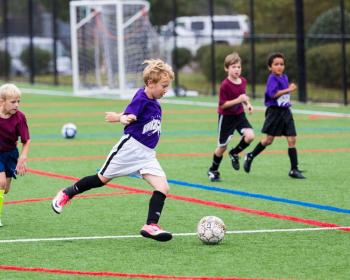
<point x="130" y="157"/>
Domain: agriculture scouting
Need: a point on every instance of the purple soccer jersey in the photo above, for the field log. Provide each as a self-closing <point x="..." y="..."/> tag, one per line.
<point x="12" y="128"/>
<point x="230" y="91"/>
<point x="273" y="85"/>
<point x="147" y="128"/>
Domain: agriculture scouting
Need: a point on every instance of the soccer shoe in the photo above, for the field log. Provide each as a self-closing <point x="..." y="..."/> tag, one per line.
<point x="59" y="202"/>
<point x="214" y="175"/>
<point x="295" y="173"/>
<point x="234" y="161"/>
<point x="155" y="232"/>
<point x="248" y="159"/>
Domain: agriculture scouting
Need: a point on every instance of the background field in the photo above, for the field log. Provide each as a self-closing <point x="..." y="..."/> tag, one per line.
<point x="255" y="207"/>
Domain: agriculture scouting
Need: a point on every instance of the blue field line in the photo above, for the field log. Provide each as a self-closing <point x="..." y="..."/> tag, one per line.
<point x="262" y="196"/>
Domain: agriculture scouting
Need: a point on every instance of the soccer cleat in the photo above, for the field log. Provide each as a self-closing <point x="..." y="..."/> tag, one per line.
<point x="296" y="173"/>
<point x="214" y="175"/>
<point x="59" y="201"/>
<point x="248" y="159"/>
<point x="234" y="161"/>
<point x="155" y="232"/>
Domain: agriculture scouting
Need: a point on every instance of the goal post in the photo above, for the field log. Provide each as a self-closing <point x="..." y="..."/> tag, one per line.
<point x="110" y="39"/>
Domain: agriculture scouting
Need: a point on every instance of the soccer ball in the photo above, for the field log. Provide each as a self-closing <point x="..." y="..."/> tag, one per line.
<point x="69" y="130"/>
<point x="211" y="230"/>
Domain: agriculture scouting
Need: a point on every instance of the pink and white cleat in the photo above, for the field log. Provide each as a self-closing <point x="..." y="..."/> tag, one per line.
<point x="60" y="200"/>
<point x="155" y="232"/>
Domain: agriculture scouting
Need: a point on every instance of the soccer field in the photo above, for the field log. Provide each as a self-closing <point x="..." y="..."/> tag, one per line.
<point x="277" y="227"/>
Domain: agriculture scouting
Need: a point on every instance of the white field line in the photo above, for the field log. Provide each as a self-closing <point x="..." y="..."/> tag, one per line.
<point x="174" y="234"/>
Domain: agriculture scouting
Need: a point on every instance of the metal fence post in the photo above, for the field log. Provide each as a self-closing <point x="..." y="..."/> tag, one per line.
<point x="299" y="13"/>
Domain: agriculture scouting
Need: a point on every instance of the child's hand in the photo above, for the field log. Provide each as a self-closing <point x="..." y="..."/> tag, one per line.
<point x="292" y="87"/>
<point x="112" y="116"/>
<point x="21" y="167"/>
<point x="243" y="98"/>
<point x="127" y="119"/>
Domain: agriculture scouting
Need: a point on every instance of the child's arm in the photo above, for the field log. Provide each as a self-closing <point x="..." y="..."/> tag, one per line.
<point x="240" y="99"/>
<point x="21" y="167"/>
<point x="292" y="87"/>
<point x="120" y="117"/>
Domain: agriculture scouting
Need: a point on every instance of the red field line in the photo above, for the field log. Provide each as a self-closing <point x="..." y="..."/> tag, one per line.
<point x="206" y="202"/>
<point x="118" y="274"/>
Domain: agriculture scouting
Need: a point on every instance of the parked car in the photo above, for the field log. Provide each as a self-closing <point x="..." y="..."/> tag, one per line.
<point x="16" y="45"/>
<point x="195" y="31"/>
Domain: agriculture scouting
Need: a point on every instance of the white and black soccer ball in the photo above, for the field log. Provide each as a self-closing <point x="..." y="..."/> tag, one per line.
<point x="211" y="230"/>
<point x="69" y="130"/>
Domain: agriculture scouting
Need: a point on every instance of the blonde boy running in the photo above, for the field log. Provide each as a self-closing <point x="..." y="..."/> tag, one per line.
<point x="134" y="153"/>
<point x="13" y="124"/>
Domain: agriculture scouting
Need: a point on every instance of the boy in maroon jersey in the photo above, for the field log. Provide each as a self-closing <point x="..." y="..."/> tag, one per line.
<point x="13" y="124"/>
<point x="231" y="116"/>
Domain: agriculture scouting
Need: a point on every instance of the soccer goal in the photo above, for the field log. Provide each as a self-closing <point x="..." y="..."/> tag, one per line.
<point x="110" y="40"/>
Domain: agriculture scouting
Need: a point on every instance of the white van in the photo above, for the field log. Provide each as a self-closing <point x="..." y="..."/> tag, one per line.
<point x="194" y="32"/>
<point x="16" y="44"/>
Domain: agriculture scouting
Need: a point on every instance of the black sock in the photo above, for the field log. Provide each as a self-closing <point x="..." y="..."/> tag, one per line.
<point x="83" y="185"/>
<point x="156" y="204"/>
<point x="258" y="149"/>
<point x="293" y="156"/>
<point x="239" y="148"/>
<point x="216" y="162"/>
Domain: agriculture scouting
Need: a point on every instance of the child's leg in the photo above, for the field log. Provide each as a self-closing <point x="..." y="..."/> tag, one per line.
<point x="292" y="152"/>
<point x="248" y="160"/>
<point x="151" y="229"/>
<point x="156" y="203"/>
<point x="217" y="158"/>
<point x="85" y="184"/>
<point x="4" y="188"/>
<point x="247" y="138"/>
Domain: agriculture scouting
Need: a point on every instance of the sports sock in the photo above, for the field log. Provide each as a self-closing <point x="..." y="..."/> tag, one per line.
<point x="293" y="156"/>
<point x="258" y="149"/>
<point x="216" y="162"/>
<point x="2" y="192"/>
<point x="239" y="148"/>
<point x="156" y="204"/>
<point x="83" y="185"/>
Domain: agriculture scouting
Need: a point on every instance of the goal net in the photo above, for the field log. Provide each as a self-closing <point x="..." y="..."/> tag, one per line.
<point x="110" y="40"/>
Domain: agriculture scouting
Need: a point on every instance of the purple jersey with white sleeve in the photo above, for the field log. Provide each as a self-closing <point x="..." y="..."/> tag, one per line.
<point x="273" y="85"/>
<point x="12" y="128"/>
<point x="146" y="129"/>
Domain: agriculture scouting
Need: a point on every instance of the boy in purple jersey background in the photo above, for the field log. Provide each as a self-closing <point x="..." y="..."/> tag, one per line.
<point x="13" y="124"/>
<point x="278" y="116"/>
<point x="134" y="153"/>
<point x="231" y="116"/>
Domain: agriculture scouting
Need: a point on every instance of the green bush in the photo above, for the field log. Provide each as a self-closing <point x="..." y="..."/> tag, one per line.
<point x="324" y="65"/>
<point x="42" y="60"/>
<point x="5" y="62"/>
<point x="327" y="23"/>
<point x="184" y="57"/>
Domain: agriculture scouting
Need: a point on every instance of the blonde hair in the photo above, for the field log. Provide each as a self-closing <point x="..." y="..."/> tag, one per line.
<point x="9" y="91"/>
<point x="232" y="58"/>
<point x="156" y="69"/>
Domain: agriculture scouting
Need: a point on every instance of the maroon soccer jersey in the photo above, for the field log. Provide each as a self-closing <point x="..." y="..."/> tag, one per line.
<point x="229" y="91"/>
<point x="12" y="128"/>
